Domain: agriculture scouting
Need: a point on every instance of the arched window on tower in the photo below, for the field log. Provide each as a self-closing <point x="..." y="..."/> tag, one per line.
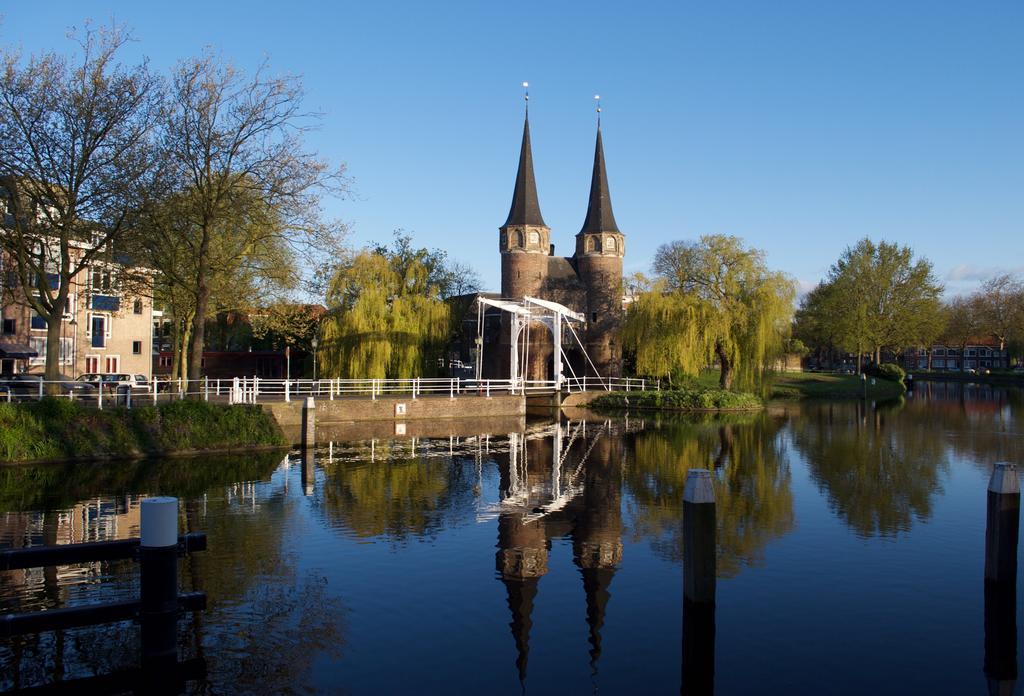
<point x="534" y="238"/>
<point x="611" y="244"/>
<point x="519" y="239"/>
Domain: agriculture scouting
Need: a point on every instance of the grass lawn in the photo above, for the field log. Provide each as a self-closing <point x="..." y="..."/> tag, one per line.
<point x="54" y="429"/>
<point x="818" y="385"/>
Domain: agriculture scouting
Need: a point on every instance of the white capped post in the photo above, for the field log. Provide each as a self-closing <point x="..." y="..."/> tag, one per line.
<point x="159" y="522"/>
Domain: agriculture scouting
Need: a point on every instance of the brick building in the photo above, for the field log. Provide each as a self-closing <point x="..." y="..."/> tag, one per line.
<point x="978" y="353"/>
<point x="103" y="329"/>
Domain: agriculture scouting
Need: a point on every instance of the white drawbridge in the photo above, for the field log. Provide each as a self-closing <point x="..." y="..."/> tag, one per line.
<point x="523" y="313"/>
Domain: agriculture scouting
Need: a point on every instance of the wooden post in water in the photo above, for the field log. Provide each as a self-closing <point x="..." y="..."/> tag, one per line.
<point x="308" y="444"/>
<point x="158" y="561"/>
<point x="309" y="423"/>
<point x="1001" y="533"/>
<point x="699" y="571"/>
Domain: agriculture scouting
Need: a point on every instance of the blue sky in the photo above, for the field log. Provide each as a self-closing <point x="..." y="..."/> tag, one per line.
<point x="799" y="126"/>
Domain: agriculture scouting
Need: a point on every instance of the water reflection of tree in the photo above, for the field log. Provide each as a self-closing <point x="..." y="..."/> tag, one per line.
<point x="395" y="494"/>
<point x="60" y="486"/>
<point x="752" y="484"/>
<point x="879" y="471"/>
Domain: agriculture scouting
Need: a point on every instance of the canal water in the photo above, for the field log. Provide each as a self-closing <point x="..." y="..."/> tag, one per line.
<point x="549" y="560"/>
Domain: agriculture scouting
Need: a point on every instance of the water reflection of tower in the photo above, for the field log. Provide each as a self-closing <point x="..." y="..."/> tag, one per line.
<point x="522" y="556"/>
<point x="564" y="487"/>
<point x="597" y="536"/>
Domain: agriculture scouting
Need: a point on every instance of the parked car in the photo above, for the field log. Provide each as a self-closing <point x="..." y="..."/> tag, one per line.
<point x="124" y="379"/>
<point x="116" y="381"/>
<point x="847" y="370"/>
<point x="26" y="385"/>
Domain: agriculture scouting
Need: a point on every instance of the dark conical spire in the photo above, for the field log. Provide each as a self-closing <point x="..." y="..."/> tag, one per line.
<point x="525" y="208"/>
<point x="521" y="594"/>
<point x="599" y="210"/>
<point x="595" y="585"/>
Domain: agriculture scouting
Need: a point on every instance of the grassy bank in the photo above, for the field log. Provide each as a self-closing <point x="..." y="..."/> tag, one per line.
<point x="816" y="385"/>
<point x="59" y="430"/>
<point x="696" y="398"/>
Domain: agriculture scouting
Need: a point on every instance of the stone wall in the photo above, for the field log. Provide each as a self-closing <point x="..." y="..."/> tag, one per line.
<point x="396" y="414"/>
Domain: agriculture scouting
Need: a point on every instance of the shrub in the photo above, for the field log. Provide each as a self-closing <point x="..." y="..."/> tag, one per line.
<point x="683" y="399"/>
<point x="890" y="371"/>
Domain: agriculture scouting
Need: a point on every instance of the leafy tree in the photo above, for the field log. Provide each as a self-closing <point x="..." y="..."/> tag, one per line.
<point x="287" y="324"/>
<point x="883" y="299"/>
<point x="239" y="178"/>
<point x="714" y="301"/>
<point x="76" y="160"/>
<point x="245" y="260"/>
<point x="815" y="322"/>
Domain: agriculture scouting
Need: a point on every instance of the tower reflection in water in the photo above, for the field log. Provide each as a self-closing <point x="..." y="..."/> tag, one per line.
<point x="562" y="481"/>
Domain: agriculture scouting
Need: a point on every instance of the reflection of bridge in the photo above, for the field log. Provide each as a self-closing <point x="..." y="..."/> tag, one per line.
<point x="563" y="482"/>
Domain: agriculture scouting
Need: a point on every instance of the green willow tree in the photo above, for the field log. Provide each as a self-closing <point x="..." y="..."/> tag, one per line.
<point x="714" y="301"/>
<point x="384" y="320"/>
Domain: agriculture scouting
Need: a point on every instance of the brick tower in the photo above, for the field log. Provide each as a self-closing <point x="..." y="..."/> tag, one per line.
<point x="600" y="247"/>
<point x="525" y="244"/>
<point x="589" y="282"/>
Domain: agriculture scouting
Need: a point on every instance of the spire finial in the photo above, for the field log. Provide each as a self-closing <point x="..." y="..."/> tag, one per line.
<point x="526" y="95"/>
<point x="597" y="98"/>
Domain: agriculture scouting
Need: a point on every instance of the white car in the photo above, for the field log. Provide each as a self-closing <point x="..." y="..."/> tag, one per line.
<point x="123" y="379"/>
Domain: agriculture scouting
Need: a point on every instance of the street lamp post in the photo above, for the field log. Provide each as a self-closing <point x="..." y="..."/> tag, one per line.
<point x="314" y="343"/>
<point x="74" y="347"/>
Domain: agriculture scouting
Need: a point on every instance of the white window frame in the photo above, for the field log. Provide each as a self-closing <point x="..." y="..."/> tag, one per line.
<point x="117" y="364"/>
<point x="92" y="356"/>
<point x="107" y="321"/>
<point x="38" y="344"/>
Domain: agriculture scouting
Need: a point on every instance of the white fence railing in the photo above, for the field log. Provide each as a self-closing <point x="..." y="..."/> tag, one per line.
<point x="239" y="390"/>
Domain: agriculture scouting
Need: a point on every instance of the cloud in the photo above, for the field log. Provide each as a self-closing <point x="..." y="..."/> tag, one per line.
<point x="803" y="287"/>
<point x="969" y="273"/>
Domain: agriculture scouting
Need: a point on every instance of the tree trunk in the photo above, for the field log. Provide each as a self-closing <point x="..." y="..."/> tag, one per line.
<point x="725" y="378"/>
<point x="182" y="346"/>
<point x="195" y="358"/>
<point x="52" y="371"/>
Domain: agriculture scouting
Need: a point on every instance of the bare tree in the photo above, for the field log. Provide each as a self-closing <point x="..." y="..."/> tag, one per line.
<point x="1000" y="307"/>
<point x="244" y="190"/>
<point x="963" y="324"/>
<point x="75" y="163"/>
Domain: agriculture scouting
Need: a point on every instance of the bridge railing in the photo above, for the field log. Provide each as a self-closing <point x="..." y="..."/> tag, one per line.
<point x="255" y="389"/>
<point x="577" y="384"/>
